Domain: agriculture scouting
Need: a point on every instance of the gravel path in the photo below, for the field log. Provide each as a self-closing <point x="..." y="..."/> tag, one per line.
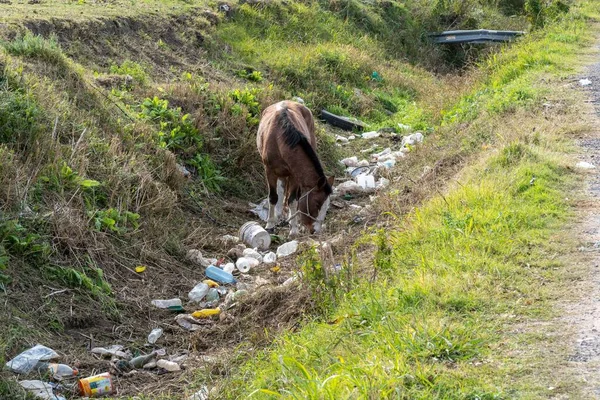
<point x="583" y="314"/>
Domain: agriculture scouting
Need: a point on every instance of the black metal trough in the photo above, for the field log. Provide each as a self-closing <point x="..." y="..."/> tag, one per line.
<point x="475" y="36"/>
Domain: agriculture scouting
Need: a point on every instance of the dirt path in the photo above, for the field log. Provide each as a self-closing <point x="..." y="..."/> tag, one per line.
<point x="580" y="374"/>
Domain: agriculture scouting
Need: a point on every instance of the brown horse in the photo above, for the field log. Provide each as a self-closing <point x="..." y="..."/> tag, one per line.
<point x="286" y="142"/>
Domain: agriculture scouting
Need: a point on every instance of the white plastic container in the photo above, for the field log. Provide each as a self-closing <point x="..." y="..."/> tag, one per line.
<point x="168" y="365"/>
<point x="253" y="254"/>
<point x="270" y="258"/>
<point x="243" y="264"/>
<point x="229" y="267"/>
<point x="255" y="236"/>
<point x="171" y="304"/>
<point x="366" y="181"/>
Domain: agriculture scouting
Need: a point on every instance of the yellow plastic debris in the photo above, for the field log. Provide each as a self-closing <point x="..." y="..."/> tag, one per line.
<point x="206" y="313"/>
<point x="140" y="268"/>
<point x="276" y="269"/>
<point x="210" y="283"/>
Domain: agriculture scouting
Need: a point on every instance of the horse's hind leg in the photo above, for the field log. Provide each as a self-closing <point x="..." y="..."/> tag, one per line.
<point x="273" y="197"/>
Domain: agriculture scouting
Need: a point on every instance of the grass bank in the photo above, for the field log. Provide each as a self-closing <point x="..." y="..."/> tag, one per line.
<point x="457" y="276"/>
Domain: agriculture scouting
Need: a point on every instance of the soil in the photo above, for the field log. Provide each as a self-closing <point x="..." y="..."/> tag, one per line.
<point x="580" y="318"/>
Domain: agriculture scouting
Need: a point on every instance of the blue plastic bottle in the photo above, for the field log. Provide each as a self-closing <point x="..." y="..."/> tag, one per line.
<point x="217" y="274"/>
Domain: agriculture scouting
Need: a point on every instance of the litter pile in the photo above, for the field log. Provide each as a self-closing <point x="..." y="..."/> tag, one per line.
<point x="365" y="169"/>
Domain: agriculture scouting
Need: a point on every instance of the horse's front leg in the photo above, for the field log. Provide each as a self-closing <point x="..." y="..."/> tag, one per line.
<point x="280" y="198"/>
<point x="292" y="202"/>
<point x="273" y="200"/>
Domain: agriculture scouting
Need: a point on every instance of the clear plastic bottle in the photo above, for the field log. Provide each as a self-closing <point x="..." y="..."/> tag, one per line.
<point x="198" y="292"/>
<point x="58" y="371"/>
<point x="154" y="335"/>
<point x="171" y="304"/>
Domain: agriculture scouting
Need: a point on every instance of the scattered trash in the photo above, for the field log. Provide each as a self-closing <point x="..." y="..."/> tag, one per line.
<point x="341" y="139"/>
<point x="276" y="269"/>
<point x="140" y="361"/>
<point x="352" y="137"/>
<point x="584" y="165"/>
<point x="58" y="371"/>
<point x="150" y="365"/>
<point x="154" y="335"/>
<point x="348" y="187"/>
<point x="412" y="139"/>
<point x="97" y="385"/>
<point x="585" y="82"/>
<point x="260" y="281"/>
<point x="287" y="249"/>
<point x="229" y="267"/>
<point x="140" y="268"/>
<point x="345" y="123"/>
<point x="255" y="236"/>
<point x="211" y="283"/>
<point x="376" y="77"/>
<point x="387" y="163"/>
<point x="371" y="135"/>
<point x="39" y="389"/>
<point x="253" y="254"/>
<point x="270" y="258"/>
<point x="244" y="264"/>
<point x="365" y="181"/>
<point x="404" y="127"/>
<point x="171" y="304"/>
<point x="290" y="280"/>
<point x="206" y="313"/>
<point x="195" y="256"/>
<point x="183" y="171"/>
<point x="217" y="274"/>
<point x="187" y="322"/>
<point x="198" y="292"/>
<point x="168" y="365"/>
<point x="350" y="161"/>
<point x="230" y="239"/>
<point x="201" y="394"/>
<point x="376" y="156"/>
<point x="261" y="210"/>
<point x="27" y="360"/>
<point x="212" y="295"/>
<point x="362" y="163"/>
<point x="114" y="350"/>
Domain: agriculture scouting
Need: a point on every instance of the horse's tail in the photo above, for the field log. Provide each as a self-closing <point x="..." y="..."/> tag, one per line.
<point x="293" y="137"/>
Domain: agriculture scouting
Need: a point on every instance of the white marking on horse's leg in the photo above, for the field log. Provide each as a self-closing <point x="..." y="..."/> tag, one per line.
<point x="293" y="219"/>
<point x="280" y="196"/>
<point x="272" y="221"/>
<point x="321" y="217"/>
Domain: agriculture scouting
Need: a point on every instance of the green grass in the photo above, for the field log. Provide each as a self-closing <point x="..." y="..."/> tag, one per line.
<point x="433" y="324"/>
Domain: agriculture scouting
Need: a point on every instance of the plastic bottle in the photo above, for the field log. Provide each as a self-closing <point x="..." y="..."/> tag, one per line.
<point x="243" y="264"/>
<point x="229" y="267"/>
<point x="168" y="365"/>
<point x="287" y="249"/>
<point x="206" y="313"/>
<point x="171" y="304"/>
<point x="58" y="371"/>
<point x="140" y="361"/>
<point x="270" y="258"/>
<point x="154" y="335"/>
<point x="253" y="254"/>
<point x="217" y="274"/>
<point x="198" y="292"/>
<point x="212" y="295"/>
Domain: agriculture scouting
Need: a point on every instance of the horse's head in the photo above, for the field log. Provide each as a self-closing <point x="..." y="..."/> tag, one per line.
<point x="314" y="204"/>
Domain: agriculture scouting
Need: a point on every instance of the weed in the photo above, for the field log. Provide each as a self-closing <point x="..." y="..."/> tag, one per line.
<point x="133" y="69"/>
<point x="113" y="220"/>
<point x="248" y="98"/>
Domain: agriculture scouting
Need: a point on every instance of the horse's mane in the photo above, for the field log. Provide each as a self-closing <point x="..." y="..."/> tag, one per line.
<point x="293" y="137"/>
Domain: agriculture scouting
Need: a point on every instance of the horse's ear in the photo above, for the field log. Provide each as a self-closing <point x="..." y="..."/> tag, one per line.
<point x="330" y="180"/>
